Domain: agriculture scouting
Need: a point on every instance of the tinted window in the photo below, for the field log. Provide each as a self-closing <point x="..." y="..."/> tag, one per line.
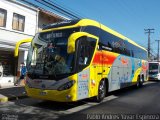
<point x="91" y="29"/>
<point x="86" y="47"/>
<point x="128" y="51"/>
<point x="113" y="43"/>
<point x="48" y="36"/>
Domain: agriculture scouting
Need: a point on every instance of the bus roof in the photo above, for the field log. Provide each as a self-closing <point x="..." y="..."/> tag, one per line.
<point x="87" y="22"/>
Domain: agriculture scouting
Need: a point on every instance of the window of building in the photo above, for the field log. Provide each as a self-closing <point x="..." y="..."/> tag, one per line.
<point x="3" y="16"/>
<point x="18" y="22"/>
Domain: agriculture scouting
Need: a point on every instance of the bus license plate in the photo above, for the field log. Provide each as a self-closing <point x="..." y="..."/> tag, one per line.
<point x="42" y="93"/>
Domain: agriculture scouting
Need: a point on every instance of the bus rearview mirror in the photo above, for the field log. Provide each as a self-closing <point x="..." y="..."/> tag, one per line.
<point x="73" y="38"/>
<point x="71" y="42"/>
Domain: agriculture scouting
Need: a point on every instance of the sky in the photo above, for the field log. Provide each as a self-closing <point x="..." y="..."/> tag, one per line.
<point x="128" y="17"/>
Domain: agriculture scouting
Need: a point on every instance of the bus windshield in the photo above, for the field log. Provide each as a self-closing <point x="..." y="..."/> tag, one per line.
<point x="153" y="68"/>
<point x="48" y="54"/>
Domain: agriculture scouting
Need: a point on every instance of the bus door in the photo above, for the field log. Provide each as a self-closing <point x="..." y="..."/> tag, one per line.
<point x="96" y="72"/>
<point x="86" y="47"/>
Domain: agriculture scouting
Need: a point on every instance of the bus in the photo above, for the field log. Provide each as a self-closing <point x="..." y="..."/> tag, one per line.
<point x="78" y="59"/>
<point x="154" y="70"/>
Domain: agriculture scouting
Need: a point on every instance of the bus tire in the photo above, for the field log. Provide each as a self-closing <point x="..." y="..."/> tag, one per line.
<point x="140" y="81"/>
<point x="101" y="91"/>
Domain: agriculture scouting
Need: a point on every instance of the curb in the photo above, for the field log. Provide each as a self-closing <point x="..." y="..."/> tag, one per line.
<point x="6" y="85"/>
<point x="17" y="97"/>
<point x="4" y="99"/>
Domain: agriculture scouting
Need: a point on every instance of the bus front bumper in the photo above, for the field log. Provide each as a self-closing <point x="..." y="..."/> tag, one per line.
<point x="154" y="78"/>
<point x="53" y="95"/>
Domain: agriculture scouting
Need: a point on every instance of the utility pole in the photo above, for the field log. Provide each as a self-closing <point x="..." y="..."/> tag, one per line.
<point x="149" y="31"/>
<point x="158" y="50"/>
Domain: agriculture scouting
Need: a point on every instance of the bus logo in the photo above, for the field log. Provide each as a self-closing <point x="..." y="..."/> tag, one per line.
<point x="124" y="61"/>
<point x="144" y="67"/>
<point x="83" y="76"/>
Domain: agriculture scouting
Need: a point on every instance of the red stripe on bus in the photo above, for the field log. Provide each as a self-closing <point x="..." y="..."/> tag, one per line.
<point x="104" y="58"/>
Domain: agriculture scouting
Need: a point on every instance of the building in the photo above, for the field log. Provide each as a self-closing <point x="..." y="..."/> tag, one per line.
<point x="19" y="21"/>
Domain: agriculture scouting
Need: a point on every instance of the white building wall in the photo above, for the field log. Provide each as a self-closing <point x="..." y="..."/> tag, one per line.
<point x="30" y="16"/>
<point x="9" y="37"/>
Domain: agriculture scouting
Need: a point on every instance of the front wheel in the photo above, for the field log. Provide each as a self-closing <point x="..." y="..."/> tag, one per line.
<point x="140" y="82"/>
<point x="101" y="91"/>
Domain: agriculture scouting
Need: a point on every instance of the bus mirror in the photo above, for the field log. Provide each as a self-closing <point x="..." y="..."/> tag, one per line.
<point x="74" y="37"/>
<point x="19" y="43"/>
<point x="71" y="42"/>
<point x="71" y="48"/>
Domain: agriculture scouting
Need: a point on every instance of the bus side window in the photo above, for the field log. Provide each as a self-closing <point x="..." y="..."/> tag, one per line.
<point x="85" y="55"/>
<point x="85" y="52"/>
<point x="83" y="58"/>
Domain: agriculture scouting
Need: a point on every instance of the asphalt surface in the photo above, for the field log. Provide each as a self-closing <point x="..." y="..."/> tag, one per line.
<point x="14" y="92"/>
<point x="129" y="103"/>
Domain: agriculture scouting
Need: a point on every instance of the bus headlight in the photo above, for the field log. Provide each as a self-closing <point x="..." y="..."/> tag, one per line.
<point x="66" y="85"/>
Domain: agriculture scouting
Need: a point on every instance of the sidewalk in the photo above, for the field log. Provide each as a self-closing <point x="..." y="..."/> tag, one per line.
<point x="12" y="93"/>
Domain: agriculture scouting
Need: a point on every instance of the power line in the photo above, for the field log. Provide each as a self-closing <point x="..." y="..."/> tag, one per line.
<point x="158" y="50"/>
<point x="149" y="31"/>
<point x="54" y="7"/>
<point x="152" y="54"/>
<point x="43" y="3"/>
<point x="66" y="9"/>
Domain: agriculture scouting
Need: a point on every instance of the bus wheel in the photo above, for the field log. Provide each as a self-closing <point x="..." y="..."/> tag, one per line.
<point x="101" y="91"/>
<point x="140" y="82"/>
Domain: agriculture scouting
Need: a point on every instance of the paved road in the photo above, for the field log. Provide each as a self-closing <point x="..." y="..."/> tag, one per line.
<point x="127" y="103"/>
